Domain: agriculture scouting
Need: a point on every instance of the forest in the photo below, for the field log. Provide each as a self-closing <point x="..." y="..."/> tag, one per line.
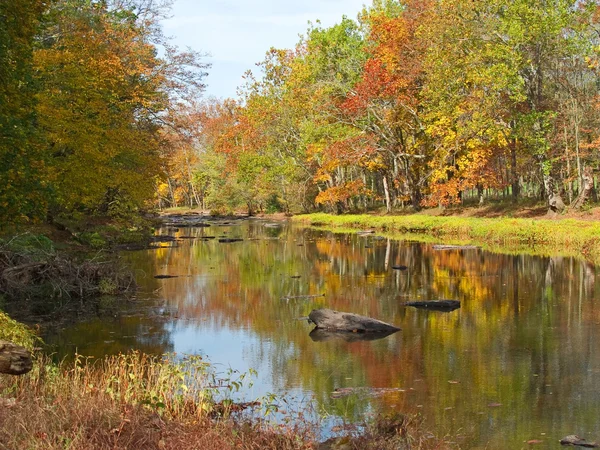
<point x="413" y="104"/>
<point x="89" y="91"/>
<point x="416" y="104"/>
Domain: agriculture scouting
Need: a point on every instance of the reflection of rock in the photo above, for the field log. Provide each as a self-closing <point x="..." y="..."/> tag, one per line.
<point x="305" y="297"/>
<point x="436" y="305"/>
<point x="227" y="240"/>
<point x="340" y="321"/>
<point x="320" y="335"/>
<point x="162" y="277"/>
<point x="399" y="267"/>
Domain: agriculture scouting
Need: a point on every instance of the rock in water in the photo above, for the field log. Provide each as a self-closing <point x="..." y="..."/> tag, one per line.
<point x="436" y="305"/>
<point x="14" y="359"/>
<point x="328" y="319"/>
<point x="576" y="440"/>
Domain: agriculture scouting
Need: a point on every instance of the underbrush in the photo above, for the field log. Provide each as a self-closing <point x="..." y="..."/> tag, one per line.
<point x="31" y="267"/>
<point x="137" y="401"/>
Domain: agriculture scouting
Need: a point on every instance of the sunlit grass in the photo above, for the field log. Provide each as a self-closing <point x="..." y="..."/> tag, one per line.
<point x="546" y="237"/>
<point x="127" y="401"/>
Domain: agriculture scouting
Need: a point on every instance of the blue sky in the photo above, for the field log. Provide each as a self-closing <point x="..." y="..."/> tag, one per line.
<point x="237" y="33"/>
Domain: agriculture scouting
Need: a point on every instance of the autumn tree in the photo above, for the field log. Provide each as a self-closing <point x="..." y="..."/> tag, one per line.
<point x="23" y="188"/>
<point x="385" y="103"/>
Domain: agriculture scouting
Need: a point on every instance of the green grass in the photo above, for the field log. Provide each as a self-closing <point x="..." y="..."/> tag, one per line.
<point x="545" y="237"/>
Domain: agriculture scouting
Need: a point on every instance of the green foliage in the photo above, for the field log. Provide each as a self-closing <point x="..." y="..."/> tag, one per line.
<point x="36" y="245"/>
<point x="93" y="239"/>
<point x="81" y="95"/>
<point x="22" y="176"/>
<point x="274" y="204"/>
<point x="13" y="331"/>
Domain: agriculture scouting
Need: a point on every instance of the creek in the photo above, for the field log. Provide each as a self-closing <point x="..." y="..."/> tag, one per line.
<point x="519" y="361"/>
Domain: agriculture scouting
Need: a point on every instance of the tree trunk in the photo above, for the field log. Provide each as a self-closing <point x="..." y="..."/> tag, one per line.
<point x="173" y="201"/>
<point x="586" y="188"/>
<point x="555" y="201"/>
<point x="386" y="190"/>
<point x="480" y="194"/>
<point x="14" y="359"/>
<point x="516" y="190"/>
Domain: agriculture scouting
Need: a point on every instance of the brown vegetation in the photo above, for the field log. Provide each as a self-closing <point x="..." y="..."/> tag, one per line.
<point x="31" y="267"/>
<point x="141" y="402"/>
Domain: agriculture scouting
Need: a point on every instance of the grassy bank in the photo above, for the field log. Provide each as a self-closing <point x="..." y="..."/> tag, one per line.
<point x="546" y="237"/>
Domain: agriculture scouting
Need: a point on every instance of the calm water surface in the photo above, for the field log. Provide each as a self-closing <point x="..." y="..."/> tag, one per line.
<point x="518" y="361"/>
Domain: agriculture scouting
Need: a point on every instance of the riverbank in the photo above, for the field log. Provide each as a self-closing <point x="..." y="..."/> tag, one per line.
<point x="573" y="237"/>
<point x="139" y="401"/>
<point x="135" y="400"/>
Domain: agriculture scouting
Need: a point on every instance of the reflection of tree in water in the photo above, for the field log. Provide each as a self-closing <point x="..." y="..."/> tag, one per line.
<point x="101" y="337"/>
<point x="525" y="335"/>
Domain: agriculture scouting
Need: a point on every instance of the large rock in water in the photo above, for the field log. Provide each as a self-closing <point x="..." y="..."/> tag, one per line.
<point x="327" y="319"/>
<point x="14" y="360"/>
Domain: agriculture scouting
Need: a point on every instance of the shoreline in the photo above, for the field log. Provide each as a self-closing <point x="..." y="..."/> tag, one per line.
<point x="544" y="237"/>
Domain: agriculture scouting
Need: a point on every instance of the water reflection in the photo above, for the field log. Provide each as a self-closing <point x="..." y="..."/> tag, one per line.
<point x="517" y="361"/>
<point x="320" y="335"/>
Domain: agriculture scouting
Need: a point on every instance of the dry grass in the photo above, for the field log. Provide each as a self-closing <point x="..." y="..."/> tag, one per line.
<point x="138" y="401"/>
<point x="130" y="401"/>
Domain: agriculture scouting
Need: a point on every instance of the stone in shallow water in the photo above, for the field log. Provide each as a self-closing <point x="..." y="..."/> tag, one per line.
<point x="436" y="305"/>
<point x="329" y="319"/>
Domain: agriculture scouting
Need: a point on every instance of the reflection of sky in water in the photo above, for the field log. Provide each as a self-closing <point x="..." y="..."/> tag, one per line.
<point x="519" y="358"/>
<point x="225" y="349"/>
